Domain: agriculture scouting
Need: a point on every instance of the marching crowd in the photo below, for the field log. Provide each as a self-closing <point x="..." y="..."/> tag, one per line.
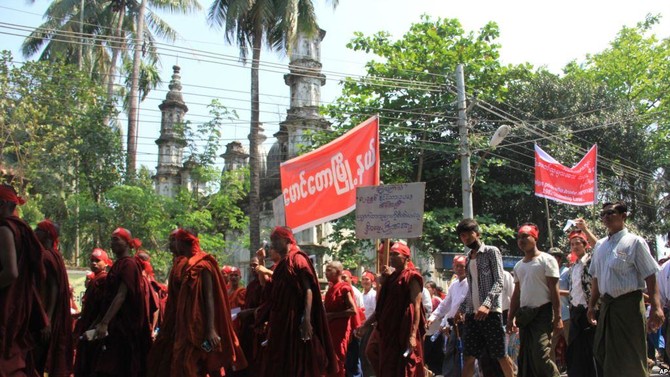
<point x="489" y="322"/>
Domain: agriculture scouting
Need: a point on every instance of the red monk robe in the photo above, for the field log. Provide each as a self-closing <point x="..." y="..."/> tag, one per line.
<point x="395" y="315"/>
<point x="60" y="348"/>
<point x="189" y="359"/>
<point x="160" y="357"/>
<point x="129" y="339"/>
<point x="286" y="354"/>
<point x="337" y="300"/>
<point x="236" y="297"/>
<point x="91" y="309"/>
<point x="21" y="311"/>
<point x="247" y="332"/>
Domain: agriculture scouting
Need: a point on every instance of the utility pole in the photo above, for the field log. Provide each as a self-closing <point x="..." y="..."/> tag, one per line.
<point x="80" y="53"/>
<point x="131" y="157"/>
<point x="464" y="149"/>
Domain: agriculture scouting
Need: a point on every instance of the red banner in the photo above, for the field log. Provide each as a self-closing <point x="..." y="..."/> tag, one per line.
<point x="321" y="185"/>
<point x="576" y="185"/>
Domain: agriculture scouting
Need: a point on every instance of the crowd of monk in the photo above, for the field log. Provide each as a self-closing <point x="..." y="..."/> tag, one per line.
<point x="203" y="322"/>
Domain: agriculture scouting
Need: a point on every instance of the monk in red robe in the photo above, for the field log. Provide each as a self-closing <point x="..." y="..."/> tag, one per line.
<point x="340" y="310"/>
<point x="204" y="338"/>
<point x="399" y="317"/>
<point x="124" y="330"/>
<point x="160" y="357"/>
<point x="156" y="291"/>
<point x="298" y="341"/>
<point x="245" y="323"/>
<point x="55" y="353"/>
<point x="236" y="292"/>
<point x="225" y="272"/>
<point x="91" y="309"/>
<point x="21" y="270"/>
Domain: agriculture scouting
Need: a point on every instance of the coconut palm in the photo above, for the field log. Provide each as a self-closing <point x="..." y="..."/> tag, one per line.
<point x="249" y="24"/>
<point x="109" y="30"/>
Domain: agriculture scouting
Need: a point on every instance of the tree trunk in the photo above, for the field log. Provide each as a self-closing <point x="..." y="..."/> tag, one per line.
<point x="116" y="45"/>
<point x="131" y="157"/>
<point x="254" y="155"/>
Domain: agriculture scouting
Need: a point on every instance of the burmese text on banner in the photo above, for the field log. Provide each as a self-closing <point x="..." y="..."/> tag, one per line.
<point x="576" y="185"/>
<point x="321" y="185"/>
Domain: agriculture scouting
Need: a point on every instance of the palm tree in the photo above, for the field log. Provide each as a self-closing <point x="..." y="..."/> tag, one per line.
<point x="109" y="32"/>
<point x="248" y="24"/>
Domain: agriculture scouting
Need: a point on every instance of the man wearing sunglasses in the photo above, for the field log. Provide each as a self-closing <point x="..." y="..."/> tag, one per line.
<point x="621" y="265"/>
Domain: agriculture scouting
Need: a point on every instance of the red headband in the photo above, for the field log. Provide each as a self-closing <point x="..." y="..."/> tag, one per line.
<point x="283" y="232"/>
<point x="401" y="249"/>
<point x="370" y="275"/>
<point x="227" y="270"/>
<point x="124" y="234"/>
<point x="459" y="259"/>
<point x="531" y="230"/>
<point x="347" y="273"/>
<point x="47" y="226"/>
<point x="7" y="194"/>
<point x="183" y="235"/>
<point x="578" y="234"/>
<point x="102" y="255"/>
<point x="235" y="271"/>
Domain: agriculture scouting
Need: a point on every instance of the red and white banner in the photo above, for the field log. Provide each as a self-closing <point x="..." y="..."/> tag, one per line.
<point x="576" y="185"/>
<point x="321" y="185"/>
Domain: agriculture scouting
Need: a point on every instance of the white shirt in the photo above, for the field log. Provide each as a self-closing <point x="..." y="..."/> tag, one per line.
<point x="449" y="306"/>
<point x="476" y="302"/>
<point x="532" y="278"/>
<point x="621" y="262"/>
<point x="358" y="296"/>
<point x="577" y="296"/>
<point x="508" y="289"/>
<point x="663" y="283"/>
<point x="369" y="302"/>
<point x="426" y="300"/>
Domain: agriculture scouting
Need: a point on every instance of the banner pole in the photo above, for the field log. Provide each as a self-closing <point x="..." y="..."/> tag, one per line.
<point x="551" y="238"/>
<point x="388" y="250"/>
<point x="377" y="243"/>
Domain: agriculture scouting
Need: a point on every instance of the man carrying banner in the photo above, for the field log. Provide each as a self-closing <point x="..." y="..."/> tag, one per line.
<point x="298" y="340"/>
<point x="621" y="265"/>
<point x="399" y="317"/>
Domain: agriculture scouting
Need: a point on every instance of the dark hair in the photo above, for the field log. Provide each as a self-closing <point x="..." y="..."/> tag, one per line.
<point x="617" y="206"/>
<point x="531" y="224"/>
<point x="467" y="225"/>
<point x="431" y="284"/>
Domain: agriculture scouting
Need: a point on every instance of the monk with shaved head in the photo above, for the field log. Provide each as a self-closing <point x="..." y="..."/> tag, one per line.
<point x="21" y="270"/>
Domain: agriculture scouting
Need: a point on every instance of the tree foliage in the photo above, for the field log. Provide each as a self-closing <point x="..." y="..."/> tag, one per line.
<point x="616" y="98"/>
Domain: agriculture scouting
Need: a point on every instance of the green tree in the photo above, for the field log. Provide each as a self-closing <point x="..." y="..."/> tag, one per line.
<point x="249" y="25"/>
<point x="60" y="152"/>
<point x="410" y="87"/>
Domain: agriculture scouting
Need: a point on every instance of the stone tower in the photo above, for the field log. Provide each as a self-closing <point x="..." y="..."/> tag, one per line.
<point x="171" y="142"/>
<point x="304" y="80"/>
<point x="235" y="156"/>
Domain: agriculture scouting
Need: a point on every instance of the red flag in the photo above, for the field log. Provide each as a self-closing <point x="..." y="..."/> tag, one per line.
<point x="321" y="185"/>
<point x="576" y="185"/>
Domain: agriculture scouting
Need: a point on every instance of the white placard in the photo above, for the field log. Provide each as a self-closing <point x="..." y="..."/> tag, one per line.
<point x="390" y="211"/>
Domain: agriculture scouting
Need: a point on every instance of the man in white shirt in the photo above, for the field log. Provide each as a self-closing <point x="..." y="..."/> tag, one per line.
<point x="369" y="302"/>
<point x="445" y="313"/>
<point x="534" y="300"/>
<point x="579" y="355"/>
<point x="621" y="265"/>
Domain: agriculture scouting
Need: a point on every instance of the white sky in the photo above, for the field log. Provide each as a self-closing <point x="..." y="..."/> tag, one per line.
<point x="543" y="33"/>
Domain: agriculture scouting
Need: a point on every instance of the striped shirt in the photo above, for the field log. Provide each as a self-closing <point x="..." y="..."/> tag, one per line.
<point x="621" y="262"/>
<point x="489" y="281"/>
